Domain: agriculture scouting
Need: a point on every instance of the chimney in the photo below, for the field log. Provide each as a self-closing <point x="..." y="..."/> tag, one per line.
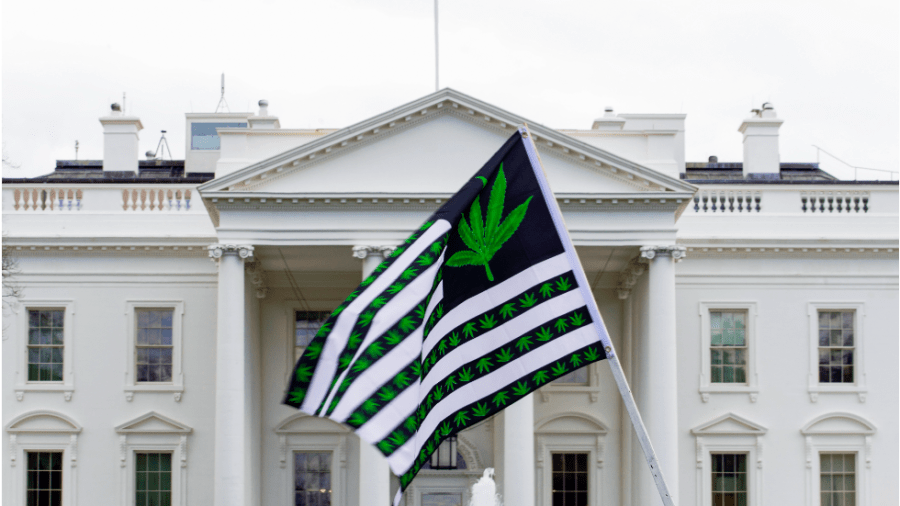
<point x="609" y="121"/>
<point x="262" y="121"/>
<point x="761" y="158"/>
<point x="120" y="140"/>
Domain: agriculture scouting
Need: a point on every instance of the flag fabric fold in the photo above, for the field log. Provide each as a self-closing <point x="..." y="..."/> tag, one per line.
<point x="483" y="304"/>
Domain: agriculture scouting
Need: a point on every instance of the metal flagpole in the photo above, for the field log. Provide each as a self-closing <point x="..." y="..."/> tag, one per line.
<point x="611" y="356"/>
<point x="436" y="54"/>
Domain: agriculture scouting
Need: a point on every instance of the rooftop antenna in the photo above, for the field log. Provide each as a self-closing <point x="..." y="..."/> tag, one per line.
<point x="222" y="101"/>
<point x="76" y="149"/>
<point x="161" y="148"/>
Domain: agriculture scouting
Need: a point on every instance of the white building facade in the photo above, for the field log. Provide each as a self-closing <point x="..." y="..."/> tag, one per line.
<point x="163" y="305"/>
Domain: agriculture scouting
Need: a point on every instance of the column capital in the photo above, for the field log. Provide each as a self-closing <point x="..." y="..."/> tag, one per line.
<point x="676" y="252"/>
<point x="362" y="251"/>
<point x="243" y="251"/>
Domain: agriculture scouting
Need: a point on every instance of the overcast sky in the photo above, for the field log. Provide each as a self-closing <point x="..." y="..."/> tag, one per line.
<point x="832" y="69"/>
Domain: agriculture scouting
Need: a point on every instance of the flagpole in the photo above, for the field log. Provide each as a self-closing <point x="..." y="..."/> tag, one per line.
<point x="611" y="357"/>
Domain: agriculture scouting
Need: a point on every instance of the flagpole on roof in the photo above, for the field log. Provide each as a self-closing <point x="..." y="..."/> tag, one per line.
<point x="611" y="356"/>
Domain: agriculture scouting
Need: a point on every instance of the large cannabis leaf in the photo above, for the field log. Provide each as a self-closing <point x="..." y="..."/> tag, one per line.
<point x="484" y="238"/>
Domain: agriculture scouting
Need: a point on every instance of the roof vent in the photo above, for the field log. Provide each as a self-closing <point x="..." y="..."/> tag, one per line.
<point x="116" y="107"/>
<point x="714" y="159"/>
<point x="263" y="108"/>
<point x="609" y="121"/>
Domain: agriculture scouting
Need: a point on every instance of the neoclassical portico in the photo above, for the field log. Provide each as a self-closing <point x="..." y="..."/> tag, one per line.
<point x="320" y="217"/>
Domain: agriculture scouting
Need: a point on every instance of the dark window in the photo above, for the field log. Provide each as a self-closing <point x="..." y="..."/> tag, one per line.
<point x="836" y="346"/>
<point x="153" y="479"/>
<point x="204" y="136"/>
<point x="570" y="479"/>
<point x="729" y="479"/>
<point x="447" y="456"/>
<point x="312" y="479"/>
<point x="838" y="479"/>
<point x="44" y="487"/>
<point x="153" y="346"/>
<point x="306" y="324"/>
<point x="45" y="345"/>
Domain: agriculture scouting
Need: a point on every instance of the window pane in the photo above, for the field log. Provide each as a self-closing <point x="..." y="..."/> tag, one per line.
<point x="312" y="478"/>
<point x="44" y="478"/>
<point x="729" y="478"/>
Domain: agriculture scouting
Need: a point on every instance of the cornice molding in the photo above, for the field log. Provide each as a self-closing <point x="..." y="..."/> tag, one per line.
<point x="130" y="250"/>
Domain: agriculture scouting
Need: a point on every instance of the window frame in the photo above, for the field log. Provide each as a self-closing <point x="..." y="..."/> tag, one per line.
<point x="570" y="432"/>
<point x="855" y="472"/>
<point x="707" y="387"/>
<point x="134" y="453"/>
<point x="176" y="386"/>
<point x="304" y="433"/>
<point x="153" y="433"/>
<point x="838" y="432"/>
<point x="67" y="385"/>
<point x="858" y="387"/>
<point x="729" y="433"/>
<point x="43" y="431"/>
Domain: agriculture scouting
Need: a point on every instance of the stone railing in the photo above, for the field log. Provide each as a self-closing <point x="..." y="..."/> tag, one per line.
<point x="727" y="201"/>
<point x="790" y="199"/>
<point x="824" y="202"/>
<point x="99" y="198"/>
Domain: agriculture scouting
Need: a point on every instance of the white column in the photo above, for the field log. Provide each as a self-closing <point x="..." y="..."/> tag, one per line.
<point x="230" y="465"/>
<point x="374" y="472"/>
<point x="658" y="400"/>
<point x="518" y="453"/>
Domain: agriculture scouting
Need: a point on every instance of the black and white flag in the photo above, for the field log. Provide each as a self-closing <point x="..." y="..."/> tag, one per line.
<point x="482" y="305"/>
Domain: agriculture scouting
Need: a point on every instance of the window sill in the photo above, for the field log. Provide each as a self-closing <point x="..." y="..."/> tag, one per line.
<point x="859" y="390"/>
<point x="166" y="388"/>
<point x="65" y="388"/>
<point x="750" y="390"/>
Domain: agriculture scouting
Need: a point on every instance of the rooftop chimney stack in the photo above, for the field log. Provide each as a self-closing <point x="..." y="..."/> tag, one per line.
<point x="761" y="157"/>
<point x="263" y="121"/>
<point x="609" y="121"/>
<point x="120" y="140"/>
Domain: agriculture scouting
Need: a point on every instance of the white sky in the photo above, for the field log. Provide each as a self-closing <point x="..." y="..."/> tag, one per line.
<point x="831" y="68"/>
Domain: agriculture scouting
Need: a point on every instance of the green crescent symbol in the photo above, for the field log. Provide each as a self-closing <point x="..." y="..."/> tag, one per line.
<point x="483" y="181"/>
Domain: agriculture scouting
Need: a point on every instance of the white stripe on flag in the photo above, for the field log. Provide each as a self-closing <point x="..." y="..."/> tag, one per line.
<point x="337" y="340"/>
<point x="380" y="426"/>
<point x="367" y="383"/>
<point x="401" y="304"/>
<point x="502" y="335"/>
<point x="487" y="385"/>
<point x="494" y="296"/>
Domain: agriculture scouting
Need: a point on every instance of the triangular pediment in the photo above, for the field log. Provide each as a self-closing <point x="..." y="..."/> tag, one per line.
<point x="153" y="423"/>
<point x="838" y="423"/>
<point x="729" y="424"/>
<point x="43" y="422"/>
<point x="432" y="146"/>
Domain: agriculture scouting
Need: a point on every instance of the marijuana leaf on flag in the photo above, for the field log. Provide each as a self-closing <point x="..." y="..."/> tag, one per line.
<point x="431" y="344"/>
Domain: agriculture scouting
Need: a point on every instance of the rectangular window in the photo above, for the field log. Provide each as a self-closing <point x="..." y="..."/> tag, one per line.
<point x="838" y="479"/>
<point x="570" y="479"/>
<point x="306" y="324"/>
<point x="153" y="346"/>
<point x="45" y="344"/>
<point x="312" y="479"/>
<point x="729" y="479"/>
<point x="446" y="456"/>
<point x="204" y="135"/>
<point x="442" y="499"/>
<point x="836" y="346"/>
<point x="44" y="481"/>
<point x="153" y="479"/>
<point x="576" y="377"/>
<point x="728" y="346"/>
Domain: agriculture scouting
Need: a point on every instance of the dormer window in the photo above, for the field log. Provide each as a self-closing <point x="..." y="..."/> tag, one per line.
<point x="204" y="136"/>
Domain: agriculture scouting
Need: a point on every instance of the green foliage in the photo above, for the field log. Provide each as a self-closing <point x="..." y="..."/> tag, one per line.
<point x="546" y="290"/>
<point x="442" y="348"/>
<point x="411" y="424"/>
<point x="345" y="360"/>
<point x="439" y="311"/>
<point x="591" y="354"/>
<point x="524" y="342"/>
<point x="375" y="350"/>
<point x="521" y="388"/>
<point x="559" y="369"/>
<point x="361" y="364"/>
<point x="504" y="355"/>
<point x="544" y="334"/>
<point x="370" y="406"/>
<point x="488" y="322"/>
<point x="425" y="260"/>
<point x="436" y="248"/>
<point x="561" y="325"/>
<point x="304" y="373"/>
<point x="409" y="274"/>
<point x="399" y="251"/>
<point x="454" y="339"/>
<point x="417" y="369"/>
<point x="426" y="225"/>
<point x="485" y="238"/>
<point x="338" y="310"/>
<point x="450" y="384"/>
<point x="577" y="319"/>
<point x="445" y="429"/>
<point x="379" y="301"/>
<point x="387" y="394"/>
<point x="469" y="330"/>
<point x="345" y="384"/>
<point x="395" y="288"/>
<point x="366" y="318"/>
<point x="297" y="396"/>
<point x="398" y="438"/>
<point x="438" y="394"/>
<point x="528" y="300"/>
<point x="563" y="284"/>
<point x="575" y="359"/>
<point x="466" y="375"/>
<point x="501" y="398"/>
<point x="313" y="350"/>
<point x="382" y="266"/>
<point x="540" y="377"/>
<point x="353" y="295"/>
<point x="357" y="419"/>
<point x="385" y="446"/>
<point x="368" y="281"/>
<point x="480" y="410"/>
<point x="461" y="419"/>
<point x="420" y="311"/>
<point x="484" y="365"/>
<point x="507" y="310"/>
<point x="401" y="379"/>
